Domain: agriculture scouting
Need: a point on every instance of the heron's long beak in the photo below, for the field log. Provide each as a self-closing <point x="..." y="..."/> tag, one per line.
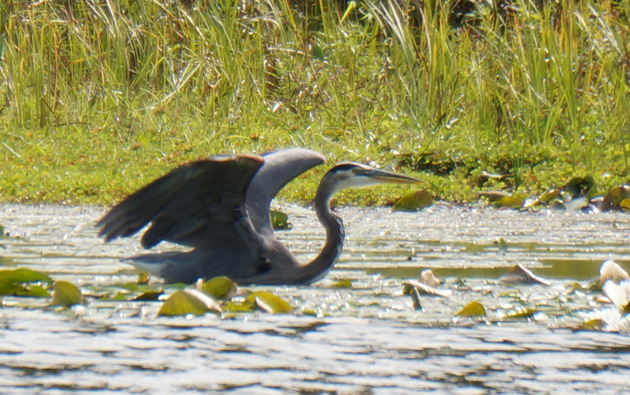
<point x="387" y="177"/>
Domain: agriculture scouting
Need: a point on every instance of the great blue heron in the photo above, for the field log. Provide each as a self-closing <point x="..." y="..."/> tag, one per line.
<point x="220" y="208"/>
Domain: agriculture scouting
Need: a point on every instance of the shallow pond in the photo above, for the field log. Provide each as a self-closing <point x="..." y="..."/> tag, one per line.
<point x="363" y="338"/>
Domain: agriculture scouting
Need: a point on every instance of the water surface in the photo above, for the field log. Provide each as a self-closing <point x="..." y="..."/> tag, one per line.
<point x="364" y="339"/>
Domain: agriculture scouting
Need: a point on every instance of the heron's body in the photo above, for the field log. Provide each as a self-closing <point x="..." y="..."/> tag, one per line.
<point x="220" y="208"/>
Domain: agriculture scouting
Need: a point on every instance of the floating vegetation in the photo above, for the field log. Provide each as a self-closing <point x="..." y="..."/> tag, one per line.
<point x="279" y="220"/>
<point x="612" y="271"/>
<point x="261" y="300"/>
<point x="492" y="257"/>
<point x="149" y="295"/>
<point x="342" y="284"/>
<point x="576" y="194"/>
<point x="427" y="277"/>
<point x="617" y="199"/>
<point x="23" y="275"/>
<point x="24" y="282"/>
<point x="515" y="296"/>
<point x="414" y="201"/>
<point x="521" y="274"/>
<point x="268" y="302"/>
<point x="219" y="287"/>
<point x="472" y="309"/>
<point x="424" y="289"/>
<point x="617" y="294"/>
<point x="66" y="294"/>
<point x="520" y="313"/>
<point x="616" y="285"/>
<point x="189" y="301"/>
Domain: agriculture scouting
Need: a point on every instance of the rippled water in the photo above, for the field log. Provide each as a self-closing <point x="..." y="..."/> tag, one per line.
<point x="365" y="339"/>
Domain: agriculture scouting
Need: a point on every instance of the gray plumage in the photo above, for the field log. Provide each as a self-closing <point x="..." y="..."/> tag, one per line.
<point x="220" y="208"/>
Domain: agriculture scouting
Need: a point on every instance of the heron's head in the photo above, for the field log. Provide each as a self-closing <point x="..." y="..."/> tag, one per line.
<point x="356" y="175"/>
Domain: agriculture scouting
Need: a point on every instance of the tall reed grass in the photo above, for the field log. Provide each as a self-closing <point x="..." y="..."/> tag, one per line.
<point x="504" y="86"/>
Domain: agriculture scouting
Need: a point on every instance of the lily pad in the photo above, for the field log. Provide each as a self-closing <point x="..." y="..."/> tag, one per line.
<point x="424" y="289"/>
<point x="612" y="271"/>
<point x="309" y="312"/>
<point x="65" y="294"/>
<point x="144" y="277"/>
<point x="472" y="309"/>
<point x="238" y="307"/>
<point x="280" y="220"/>
<point x="521" y="313"/>
<point x="513" y="202"/>
<point x="614" y="197"/>
<point x="269" y="302"/>
<point x="9" y="288"/>
<point x="579" y="186"/>
<point x="550" y="195"/>
<point x="35" y="291"/>
<point x="493" y="196"/>
<point x="616" y="294"/>
<point x="220" y="287"/>
<point x="594" y="324"/>
<point x="23" y="275"/>
<point x="189" y="301"/>
<point x="521" y="274"/>
<point x="119" y="296"/>
<point x="130" y="286"/>
<point x="414" y="201"/>
<point x="427" y="277"/>
<point x="342" y="284"/>
<point x="149" y="295"/>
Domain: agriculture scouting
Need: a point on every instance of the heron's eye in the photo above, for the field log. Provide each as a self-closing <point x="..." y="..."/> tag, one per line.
<point x="356" y="170"/>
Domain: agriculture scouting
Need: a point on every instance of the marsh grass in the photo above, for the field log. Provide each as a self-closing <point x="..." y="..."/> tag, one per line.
<point x="98" y="97"/>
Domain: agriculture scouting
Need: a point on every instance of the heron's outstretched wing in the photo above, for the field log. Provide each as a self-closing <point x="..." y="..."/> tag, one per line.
<point x="199" y="204"/>
<point x="279" y="168"/>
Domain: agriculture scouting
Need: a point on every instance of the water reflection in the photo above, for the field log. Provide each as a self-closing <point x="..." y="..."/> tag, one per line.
<point x="368" y="338"/>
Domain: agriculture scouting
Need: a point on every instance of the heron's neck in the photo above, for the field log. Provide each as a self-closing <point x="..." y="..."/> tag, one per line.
<point x="323" y="262"/>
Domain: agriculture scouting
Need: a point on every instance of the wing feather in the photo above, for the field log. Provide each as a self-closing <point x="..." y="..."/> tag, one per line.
<point x="194" y="202"/>
<point x="279" y="169"/>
